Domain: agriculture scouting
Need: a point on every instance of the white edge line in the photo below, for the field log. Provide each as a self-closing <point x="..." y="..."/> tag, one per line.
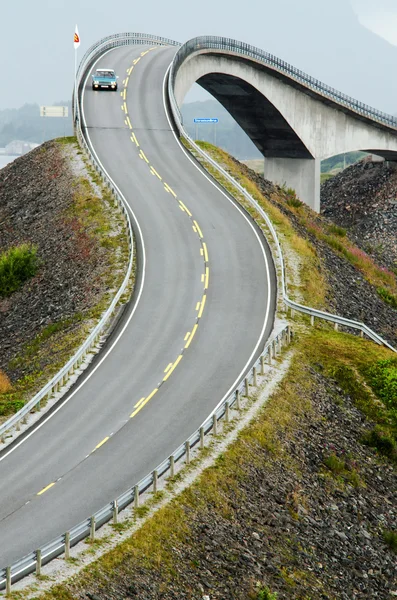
<point x="233" y="387"/>
<point x="136" y="303"/>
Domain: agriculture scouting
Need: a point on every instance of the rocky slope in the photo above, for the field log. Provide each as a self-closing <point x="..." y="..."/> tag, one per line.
<point x="42" y="196"/>
<point x="363" y="198"/>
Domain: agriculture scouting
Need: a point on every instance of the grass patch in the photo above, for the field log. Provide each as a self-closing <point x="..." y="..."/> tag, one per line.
<point x="17" y="265"/>
<point x="390" y="538"/>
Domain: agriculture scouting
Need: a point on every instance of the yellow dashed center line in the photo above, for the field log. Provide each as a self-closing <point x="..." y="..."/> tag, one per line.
<point x="125" y="108"/>
<point x="129" y="71"/>
<point x="143" y="156"/>
<point x="202" y="278"/>
<point x="205" y="252"/>
<point x="168" y="368"/>
<point x="201" y="251"/>
<point x="194" y="228"/>
<point x="133" y="138"/>
<point x="174" y="366"/>
<point x="143" y="53"/>
<point x="126" y="81"/>
<point x="128" y="122"/>
<point x="101" y="443"/>
<point x="143" y="402"/>
<point x="185" y="208"/>
<point x="198" y="305"/>
<point x="198" y="229"/>
<point x="170" y="190"/>
<point x="136" y="60"/>
<point x="191" y="336"/>
<point x="46" y="488"/>
<point x="202" y="306"/>
<point x="207" y="275"/>
<point x="139" y="402"/>
<point x="154" y="172"/>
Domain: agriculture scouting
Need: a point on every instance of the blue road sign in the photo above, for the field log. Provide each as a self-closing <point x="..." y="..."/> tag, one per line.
<point x="206" y="120"/>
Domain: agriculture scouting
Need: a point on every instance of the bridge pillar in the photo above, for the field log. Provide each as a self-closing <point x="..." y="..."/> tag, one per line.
<point x="301" y="174"/>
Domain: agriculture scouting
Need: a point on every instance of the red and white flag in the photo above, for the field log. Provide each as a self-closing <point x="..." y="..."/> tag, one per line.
<point x="76" y="39"/>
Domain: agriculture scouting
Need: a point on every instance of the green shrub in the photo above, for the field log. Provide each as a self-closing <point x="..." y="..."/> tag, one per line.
<point x="382" y="377"/>
<point x="335" y="229"/>
<point x="16" y="266"/>
<point x="382" y="440"/>
<point x="265" y="594"/>
<point x="390" y="538"/>
<point x="387" y="297"/>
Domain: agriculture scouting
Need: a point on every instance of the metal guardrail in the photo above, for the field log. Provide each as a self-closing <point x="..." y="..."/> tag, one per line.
<point x="210" y="42"/>
<point x="61" y="545"/>
<point x="314" y="313"/>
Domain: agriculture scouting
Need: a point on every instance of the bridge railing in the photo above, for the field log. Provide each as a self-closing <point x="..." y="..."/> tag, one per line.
<point x="209" y="42"/>
<point x="313" y="312"/>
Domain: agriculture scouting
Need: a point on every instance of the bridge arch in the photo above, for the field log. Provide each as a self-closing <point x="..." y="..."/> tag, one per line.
<point x="294" y="120"/>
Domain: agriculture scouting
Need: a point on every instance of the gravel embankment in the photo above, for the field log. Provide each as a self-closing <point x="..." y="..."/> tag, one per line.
<point x="36" y="198"/>
<point x="363" y="198"/>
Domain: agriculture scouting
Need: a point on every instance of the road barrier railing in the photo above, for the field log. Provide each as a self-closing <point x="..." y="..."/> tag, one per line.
<point x="33" y="562"/>
<point x="294" y="306"/>
<point x="13" y="424"/>
<point x="216" y="43"/>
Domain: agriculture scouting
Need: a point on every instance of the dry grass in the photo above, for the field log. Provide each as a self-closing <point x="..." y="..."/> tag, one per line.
<point x="5" y="383"/>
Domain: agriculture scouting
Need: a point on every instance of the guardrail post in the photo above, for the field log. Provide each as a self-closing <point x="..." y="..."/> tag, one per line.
<point x="274" y="349"/>
<point x="172" y="465"/>
<point x="269" y="354"/>
<point x="155" y="479"/>
<point x="247" y="387"/>
<point x="227" y="412"/>
<point x="18" y="428"/>
<point x="115" y="512"/>
<point x="187" y="450"/>
<point x="214" y="425"/>
<point x="336" y="327"/>
<point x="201" y="438"/>
<point x="361" y="333"/>
<point x="92" y="528"/>
<point x="136" y="496"/>
<point x="255" y="377"/>
<point x="8" y="580"/>
<point x="262" y="365"/>
<point x="312" y="320"/>
<point x="289" y="334"/>
<point x="38" y="562"/>
<point x="67" y="545"/>
<point x="238" y="403"/>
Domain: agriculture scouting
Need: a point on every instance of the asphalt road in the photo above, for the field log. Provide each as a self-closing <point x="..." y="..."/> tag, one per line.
<point x="90" y="450"/>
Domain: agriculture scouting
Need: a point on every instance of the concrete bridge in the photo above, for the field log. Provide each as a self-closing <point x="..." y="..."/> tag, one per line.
<point x="294" y="120"/>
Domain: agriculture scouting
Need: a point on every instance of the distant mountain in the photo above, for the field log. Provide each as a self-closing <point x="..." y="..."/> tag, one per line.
<point x="26" y="124"/>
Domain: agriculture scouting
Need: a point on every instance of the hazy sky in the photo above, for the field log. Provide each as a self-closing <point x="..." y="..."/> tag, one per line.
<point x="329" y="40"/>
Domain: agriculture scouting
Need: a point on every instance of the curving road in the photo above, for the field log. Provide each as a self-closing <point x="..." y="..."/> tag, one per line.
<point x="159" y="375"/>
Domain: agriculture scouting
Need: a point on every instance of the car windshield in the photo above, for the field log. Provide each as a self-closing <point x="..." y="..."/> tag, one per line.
<point x="107" y="74"/>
